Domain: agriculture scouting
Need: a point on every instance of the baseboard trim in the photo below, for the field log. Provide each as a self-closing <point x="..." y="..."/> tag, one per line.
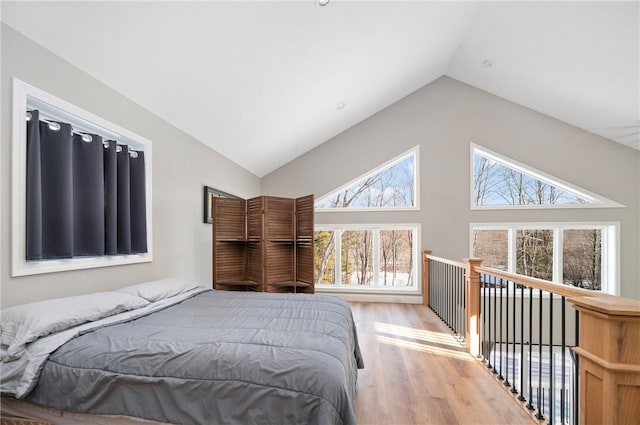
<point x="376" y="298"/>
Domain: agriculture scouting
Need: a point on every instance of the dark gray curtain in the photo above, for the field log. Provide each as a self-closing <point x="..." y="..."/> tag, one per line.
<point x="83" y="198"/>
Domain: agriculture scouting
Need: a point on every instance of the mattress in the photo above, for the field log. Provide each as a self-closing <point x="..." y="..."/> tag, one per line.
<point x="217" y="357"/>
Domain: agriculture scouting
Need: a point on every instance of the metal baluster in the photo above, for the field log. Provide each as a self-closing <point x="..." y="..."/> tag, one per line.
<point x="552" y="372"/>
<point x="488" y="295"/>
<point x="459" y="304"/>
<point x="481" y="319"/>
<point x="457" y="301"/>
<point x="452" y="299"/>
<point x="463" y="313"/>
<point x="500" y="324"/>
<point x="506" y="382"/>
<point x="463" y="309"/>
<point x="463" y="305"/>
<point x="438" y="291"/>
<point x="483" y="306"/>
<point x="521" y="396"/>
<point x="495" y="320"/>
<point x="431" y="283"/>
<point x="442" y="277"/>
<point x="514" y="389"/>
<point x="539" y="415"/>
<point x="530" y="404"/>
<point x="563" y="344"/>
<point x="576" y="372"/>
<point x="448" y="297"/>
<point x="433" y="277"/>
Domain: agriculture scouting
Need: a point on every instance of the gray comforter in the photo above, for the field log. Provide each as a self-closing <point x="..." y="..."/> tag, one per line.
<point x="216" y="358"/>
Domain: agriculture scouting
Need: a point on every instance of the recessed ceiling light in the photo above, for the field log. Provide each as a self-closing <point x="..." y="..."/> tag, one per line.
<point x="323" y="3"/>
<point x="340" y="105"/>
<point x="486" y="63"/>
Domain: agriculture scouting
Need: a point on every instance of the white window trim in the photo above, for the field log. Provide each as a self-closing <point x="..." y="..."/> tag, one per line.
<point x="416" y="185"/>
<point x="610" y="272"/>
<point x="597" y="201"/>
<point x="24" y="95"/>
<point x="416" y="289"/>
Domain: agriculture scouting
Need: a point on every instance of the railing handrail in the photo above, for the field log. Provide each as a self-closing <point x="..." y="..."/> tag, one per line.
<point x="446" y="261"/>
<point x="608" y="336"/>
<point x="545" y="285"/>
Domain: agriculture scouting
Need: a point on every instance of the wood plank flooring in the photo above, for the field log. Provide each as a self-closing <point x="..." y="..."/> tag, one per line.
<point x="416" y="372"/>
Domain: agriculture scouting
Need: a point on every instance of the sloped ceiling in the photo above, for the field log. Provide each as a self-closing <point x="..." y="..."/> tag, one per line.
<point x="264" y="82"/>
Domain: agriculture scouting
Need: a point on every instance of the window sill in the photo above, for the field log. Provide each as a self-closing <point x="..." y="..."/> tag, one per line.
<point x="25" y="268"/>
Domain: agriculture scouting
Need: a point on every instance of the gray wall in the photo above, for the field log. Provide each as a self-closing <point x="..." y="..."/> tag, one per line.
<point x="443" y="118"/>
<point x="181" y="166"/>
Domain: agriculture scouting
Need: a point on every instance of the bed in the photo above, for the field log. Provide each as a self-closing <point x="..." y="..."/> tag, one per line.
<point x="195" y="357"/>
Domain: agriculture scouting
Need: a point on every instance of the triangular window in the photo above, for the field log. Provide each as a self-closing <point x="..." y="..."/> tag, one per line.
<point x="389" y="186"/>
<point x="501" y="182"/>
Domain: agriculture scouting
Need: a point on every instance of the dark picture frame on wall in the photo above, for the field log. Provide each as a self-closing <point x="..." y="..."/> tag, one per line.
<point x="208" y="194"/>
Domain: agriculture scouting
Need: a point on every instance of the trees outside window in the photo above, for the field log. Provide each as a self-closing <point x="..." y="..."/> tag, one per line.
<point x="492" y="246"/>
<point x="357" y="257"/>
<point x="396" y="257"/>
<point x="366" y="256"/>
<point x="582" y="254"/>
<point x="390" y="186"/>
<point x="534" y="253"/>
<point x="572" y="254"/>
<point x="500" y="182"/>
<point x="324" y="256"/>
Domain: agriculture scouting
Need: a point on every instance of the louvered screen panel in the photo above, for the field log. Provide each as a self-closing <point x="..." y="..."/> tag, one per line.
<point x="230" y="261"/>
<point x="254" y="261"/>
<point x="279" y="262"/>
<point x="229" y="218"/>
<point x="254" y="218"/>
<point x="278" y="218"/>
<point x="304" y="217"/>
<point x="304" y="259"/>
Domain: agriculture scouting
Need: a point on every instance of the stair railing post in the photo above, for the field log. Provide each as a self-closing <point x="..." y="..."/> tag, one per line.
<point x="425" y="277"/>
<point x="609" y="371"/>
<point x="472" y="334"/>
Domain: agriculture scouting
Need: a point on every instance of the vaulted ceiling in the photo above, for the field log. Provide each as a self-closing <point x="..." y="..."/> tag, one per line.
<point x="264" y="82"/>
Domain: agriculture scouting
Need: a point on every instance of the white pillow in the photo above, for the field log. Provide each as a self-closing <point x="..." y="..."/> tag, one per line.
<point x="23" y="324"/>
<point x="156" y="290"/>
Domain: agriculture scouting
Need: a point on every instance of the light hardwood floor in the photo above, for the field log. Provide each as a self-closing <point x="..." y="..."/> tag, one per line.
<point x="416" y="372"/>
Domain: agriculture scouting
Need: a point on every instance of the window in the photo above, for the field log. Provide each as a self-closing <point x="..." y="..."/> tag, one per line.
<point x="500" y="182"/>
<point x="582" y="255"/>
<point x="80" y="137"/>
<point x="577" y="254"/>
<point x="390" y="186"/>
<point x="379" y="257"/>
<point x="534" y="253"/>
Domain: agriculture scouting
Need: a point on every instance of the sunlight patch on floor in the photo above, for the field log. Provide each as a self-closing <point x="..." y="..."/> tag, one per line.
<point x="425" y="348"/>
<point x="421" y="334"/>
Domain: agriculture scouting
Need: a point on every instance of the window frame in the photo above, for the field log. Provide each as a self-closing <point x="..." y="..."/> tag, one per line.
<point x="24" y="95"/>
<point x="596" y="201"/>
<point x="610" y="263"/>
<point x="415" y="151"/>
<point x="338" y="286"/>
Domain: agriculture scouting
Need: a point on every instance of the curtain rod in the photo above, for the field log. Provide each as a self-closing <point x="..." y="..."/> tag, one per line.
<point x="55" y="126"/>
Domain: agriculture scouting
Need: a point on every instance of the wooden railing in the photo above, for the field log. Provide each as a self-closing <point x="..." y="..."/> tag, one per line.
<point x="569" y="355"/>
